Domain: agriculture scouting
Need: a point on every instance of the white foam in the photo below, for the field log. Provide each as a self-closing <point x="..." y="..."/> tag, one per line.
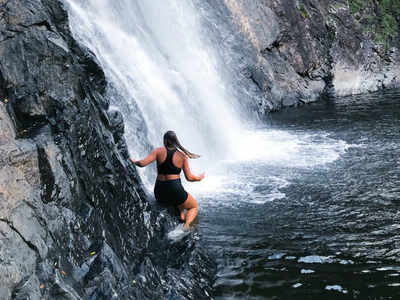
<point x="306" y="271"/>
<point x="244" y="176"/>
<point x="295" y="149"/>
<point x="394" y="284"/>
<point x="276" y="256"/>
<point x="178" y="233"/>
<point x="346" y="262"/>
<point x="385" y="269"/>
<point x="315" y="259"/>
<point x="337" y="288"/>
<point x="240" y="186"/>
<point x="290" y="257"/>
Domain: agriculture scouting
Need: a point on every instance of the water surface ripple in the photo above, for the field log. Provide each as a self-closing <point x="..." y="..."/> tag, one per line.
<point x="325" y="228"/>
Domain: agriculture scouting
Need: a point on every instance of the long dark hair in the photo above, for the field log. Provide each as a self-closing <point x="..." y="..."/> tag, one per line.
<point x="171" y="140"/>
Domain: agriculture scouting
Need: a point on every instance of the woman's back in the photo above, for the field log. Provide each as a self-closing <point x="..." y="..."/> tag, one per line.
<point x="169" y="161"/>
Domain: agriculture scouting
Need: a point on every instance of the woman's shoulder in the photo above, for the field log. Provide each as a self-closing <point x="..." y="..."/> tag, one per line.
<point x="159" y="150"/>
<point x="181" y="155"/>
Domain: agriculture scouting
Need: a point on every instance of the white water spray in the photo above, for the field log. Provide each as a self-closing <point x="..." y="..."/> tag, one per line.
<point x="161" y="68"/>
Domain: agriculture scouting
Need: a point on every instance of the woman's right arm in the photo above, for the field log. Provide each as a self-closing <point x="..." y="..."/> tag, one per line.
<point x="188" y="174"/>
<point x="144" y="162"/>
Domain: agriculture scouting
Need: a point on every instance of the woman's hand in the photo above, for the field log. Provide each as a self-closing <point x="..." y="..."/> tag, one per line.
<point x="132" y="160"/>
<point x="201" y="176"/>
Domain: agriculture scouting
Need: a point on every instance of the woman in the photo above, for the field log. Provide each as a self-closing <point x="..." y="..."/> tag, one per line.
<point x="171" y="159"/>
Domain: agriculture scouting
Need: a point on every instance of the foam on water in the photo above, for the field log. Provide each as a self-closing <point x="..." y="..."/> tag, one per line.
<point x="337" y="288"/>
<point x="178" y="233"/>
<point x="242" y="173"/>
<point x="315" y="259"/>
<point x="306" y="271"/>
<point x="278" y="147"/>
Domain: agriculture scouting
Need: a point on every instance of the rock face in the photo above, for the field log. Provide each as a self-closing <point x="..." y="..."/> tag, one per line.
<point x="74" y="220"/>
<point x="297" y="51"/>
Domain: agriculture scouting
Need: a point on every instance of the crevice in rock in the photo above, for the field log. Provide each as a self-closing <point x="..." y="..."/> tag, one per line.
<point x="255" y="81"/>
<point x="3" y="91"/>
<point x="304" y="74"/>
<point x="44" y="23"/>
<point x="328" y="79"/>
<point x="275" y="45"/>
<point x="28" y="243"/>
<point x="6" y="38"/>
<point x="26" y="125"/>
<point x="46" y="176"/>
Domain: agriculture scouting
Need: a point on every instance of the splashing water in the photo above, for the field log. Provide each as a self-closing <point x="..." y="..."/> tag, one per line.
<point x="164" y="73"/>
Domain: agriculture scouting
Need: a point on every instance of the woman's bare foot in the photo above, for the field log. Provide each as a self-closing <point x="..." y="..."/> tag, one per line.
<point x="192" y="208"/>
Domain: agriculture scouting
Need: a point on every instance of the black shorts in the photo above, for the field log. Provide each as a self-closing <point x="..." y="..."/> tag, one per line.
<point x="170" y="192"/>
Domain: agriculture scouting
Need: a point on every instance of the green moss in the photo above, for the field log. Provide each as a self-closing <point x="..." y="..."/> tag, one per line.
<point x="389" y="26"/>
<point x="355" y="6"/>
<point x="303" y="11"/>
<point x="378" y="17"/>
<point x="380" y="38"/>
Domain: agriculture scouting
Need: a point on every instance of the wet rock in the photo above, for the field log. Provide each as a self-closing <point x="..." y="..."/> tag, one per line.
<point x="23" y="238"/>
<point x="257" y="21"/>
<point x="18" y="259"/>
<point x="74" y="220"/>
<point x="52" y="175"/>
<point x="116" y="122"/>
<point x="28" y="288"/>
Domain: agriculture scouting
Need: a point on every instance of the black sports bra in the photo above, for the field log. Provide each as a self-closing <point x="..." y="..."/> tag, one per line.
<point x="167" y="167"/>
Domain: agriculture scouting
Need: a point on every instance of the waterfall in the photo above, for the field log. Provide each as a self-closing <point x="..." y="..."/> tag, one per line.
<point x="163" y="69"/>
<point x="162" y="72"/>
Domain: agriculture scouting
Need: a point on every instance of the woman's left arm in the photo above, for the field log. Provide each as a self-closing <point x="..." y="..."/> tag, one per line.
<point x="144" y="162"/>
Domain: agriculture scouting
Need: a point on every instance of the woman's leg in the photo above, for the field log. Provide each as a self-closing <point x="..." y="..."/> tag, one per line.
<point x="191" y="205"/>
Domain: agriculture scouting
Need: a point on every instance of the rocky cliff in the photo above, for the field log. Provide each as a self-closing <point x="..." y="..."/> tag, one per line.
<point x="297" y="51"/>
<point x="74" y="220"/>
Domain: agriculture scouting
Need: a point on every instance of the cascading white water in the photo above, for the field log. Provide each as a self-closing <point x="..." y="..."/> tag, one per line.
<point x="163" y="72"/>
<point x="152" y="53"/>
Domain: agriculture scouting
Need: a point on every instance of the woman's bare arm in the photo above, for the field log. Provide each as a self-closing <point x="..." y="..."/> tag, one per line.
<point x="144" y="162"/>
<point x="188" y="174"/>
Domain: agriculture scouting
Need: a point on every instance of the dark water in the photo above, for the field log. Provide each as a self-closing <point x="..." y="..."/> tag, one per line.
<point x="332" y="230"/>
